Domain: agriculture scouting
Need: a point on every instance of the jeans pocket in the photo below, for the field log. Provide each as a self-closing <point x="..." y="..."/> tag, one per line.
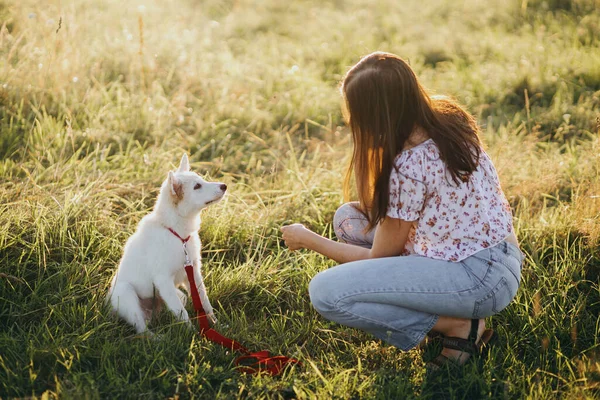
<point x="494" y="301"/>
<point x="479" y="266"/>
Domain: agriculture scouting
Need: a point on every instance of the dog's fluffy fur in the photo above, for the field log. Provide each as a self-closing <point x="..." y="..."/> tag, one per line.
<point x="152" y="268"/>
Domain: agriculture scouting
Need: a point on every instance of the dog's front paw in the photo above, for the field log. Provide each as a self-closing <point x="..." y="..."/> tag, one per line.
<point x="182" y="297"/>
<point x="148" y="334"/>
<point x="211" y="317"/>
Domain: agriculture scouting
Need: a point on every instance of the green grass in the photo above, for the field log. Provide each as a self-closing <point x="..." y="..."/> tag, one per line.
<point x="98" y="99"/>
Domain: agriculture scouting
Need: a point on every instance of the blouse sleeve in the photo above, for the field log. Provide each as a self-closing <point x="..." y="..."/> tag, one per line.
<point x="407" y="188"/>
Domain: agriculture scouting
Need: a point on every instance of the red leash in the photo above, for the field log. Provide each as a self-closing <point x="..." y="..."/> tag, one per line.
<point x="249" y="363"/>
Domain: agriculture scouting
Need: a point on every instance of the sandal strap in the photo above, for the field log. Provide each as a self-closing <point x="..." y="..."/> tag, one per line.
<point x="468" y="345"/>
<point x="461" y="344"/>
<point x="474" y="329"/>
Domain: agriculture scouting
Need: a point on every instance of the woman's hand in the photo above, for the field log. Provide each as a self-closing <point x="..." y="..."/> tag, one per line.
<point x="297" y="236"/>
<point x="294" y="236"/>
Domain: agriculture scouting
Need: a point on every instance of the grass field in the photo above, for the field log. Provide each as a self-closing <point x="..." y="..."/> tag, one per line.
<point x="99" y="99"/>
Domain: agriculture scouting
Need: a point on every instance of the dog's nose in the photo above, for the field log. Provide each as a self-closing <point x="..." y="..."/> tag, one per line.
<point x="223" y="187"/>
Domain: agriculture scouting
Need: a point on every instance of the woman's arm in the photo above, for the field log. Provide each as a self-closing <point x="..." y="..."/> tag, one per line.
<point x="390" y="238"/>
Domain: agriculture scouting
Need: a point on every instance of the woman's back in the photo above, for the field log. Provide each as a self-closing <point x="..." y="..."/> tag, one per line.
<point x="454" y="220"/>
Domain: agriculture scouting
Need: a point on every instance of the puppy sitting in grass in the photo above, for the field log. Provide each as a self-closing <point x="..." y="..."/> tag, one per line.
<point x="152" y="268"/>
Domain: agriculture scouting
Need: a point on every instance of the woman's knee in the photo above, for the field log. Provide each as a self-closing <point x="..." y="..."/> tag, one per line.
<point x="341" y="215"/>
<point x="321" y="293"/>
<point x="343" y="218"/>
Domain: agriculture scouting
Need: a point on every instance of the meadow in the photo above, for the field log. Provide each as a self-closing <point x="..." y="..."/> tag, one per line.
<point x="99" y="99"/>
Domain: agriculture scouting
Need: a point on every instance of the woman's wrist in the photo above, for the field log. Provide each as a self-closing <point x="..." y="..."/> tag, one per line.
<point x="307" y="240"/>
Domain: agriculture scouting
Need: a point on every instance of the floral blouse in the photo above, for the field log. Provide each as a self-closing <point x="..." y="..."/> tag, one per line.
<point x="451" y="222"/>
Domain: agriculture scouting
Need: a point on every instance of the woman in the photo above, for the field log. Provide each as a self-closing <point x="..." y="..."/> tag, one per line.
<point x="430" y="244"/>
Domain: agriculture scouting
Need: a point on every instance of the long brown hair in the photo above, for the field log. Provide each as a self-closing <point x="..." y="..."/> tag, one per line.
<point x="385" y="103"/>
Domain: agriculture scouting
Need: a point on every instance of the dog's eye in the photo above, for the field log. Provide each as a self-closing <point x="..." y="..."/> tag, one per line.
<point x="197" y="186"/>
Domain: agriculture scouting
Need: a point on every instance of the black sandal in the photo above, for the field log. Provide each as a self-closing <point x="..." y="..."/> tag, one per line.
<point x="469" y="345"/>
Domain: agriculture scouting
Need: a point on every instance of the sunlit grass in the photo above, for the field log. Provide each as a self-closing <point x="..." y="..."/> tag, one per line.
<point x="99" y="99"/>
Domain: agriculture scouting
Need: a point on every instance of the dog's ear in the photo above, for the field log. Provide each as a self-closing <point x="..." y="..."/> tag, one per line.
<point x="184" y="165"/>
<point x="175" y="186"/>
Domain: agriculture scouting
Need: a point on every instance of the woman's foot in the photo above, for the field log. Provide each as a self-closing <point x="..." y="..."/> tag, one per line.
<point x="462" y="338"/>
<point x="461" y="330"/>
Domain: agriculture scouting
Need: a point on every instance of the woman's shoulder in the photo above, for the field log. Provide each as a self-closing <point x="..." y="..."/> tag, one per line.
<point x="418" y="155"/>
<point x="415" y="161"/>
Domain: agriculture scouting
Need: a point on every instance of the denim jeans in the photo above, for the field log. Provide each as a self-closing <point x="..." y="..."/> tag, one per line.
<point x="399" y="299"/>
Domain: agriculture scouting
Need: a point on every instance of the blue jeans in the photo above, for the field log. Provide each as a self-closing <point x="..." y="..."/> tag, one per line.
<point x="399" y="299"/>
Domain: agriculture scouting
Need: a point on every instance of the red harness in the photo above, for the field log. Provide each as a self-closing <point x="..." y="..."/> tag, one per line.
<point x="249" y="363"/>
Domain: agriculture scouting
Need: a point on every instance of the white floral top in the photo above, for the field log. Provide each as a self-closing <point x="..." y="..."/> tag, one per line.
<point x="452" y="221"/>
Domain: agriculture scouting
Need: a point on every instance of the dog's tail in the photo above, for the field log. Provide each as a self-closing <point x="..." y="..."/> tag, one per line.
<point x="126" y="303"/>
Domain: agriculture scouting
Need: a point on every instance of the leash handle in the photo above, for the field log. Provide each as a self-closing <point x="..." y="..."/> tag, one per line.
<point x="263" y="361"/>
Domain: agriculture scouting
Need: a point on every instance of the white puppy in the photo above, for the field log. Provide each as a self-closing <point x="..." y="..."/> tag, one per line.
<point x="152" y="267"/>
